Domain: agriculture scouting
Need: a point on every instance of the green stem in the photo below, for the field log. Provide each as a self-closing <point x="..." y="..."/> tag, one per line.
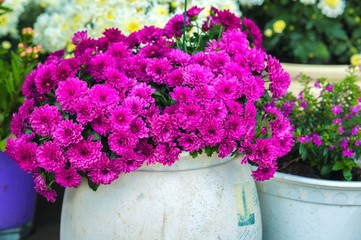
<point x="185" y="25"/>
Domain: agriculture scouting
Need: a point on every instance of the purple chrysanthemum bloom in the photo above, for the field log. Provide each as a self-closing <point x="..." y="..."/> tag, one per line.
<point x="17" y="125"/>
<point x="163" y="128"/>
<point x="336" y="109"/>
<point x="235" y="127"/>
<point x="167" y="153"/>
<point x="61" y="72"/>
<point x="182" y="94"/>
<point x="50" y="156"/>
<point x="344" y="142"/>
<point x="194" y="11"/>
<point x="84" y="111"/>
<point x="212" y="132"/>
<point x="84" y="154"/>
<point x="138" y="128"/>
<point x="204" y="92"/>
<point x="226" y="148"/>
<point x="253" y="60"/>
<point x="143" y="91"/>
<point x="303" y="139"/>
<point x="316" y="139"/>
<point x="340" y="129"/>
<point x="190" y="142"/>
<point x="101" y="125"/>
<point x="42" y="188"/>
<point x="253" y="88"/>
<point x="67" y="177"/>
<point x="98" y="64"/>
<point x="121" y="141"/>
<point x="29" y="87"/>
<point x="135" y="104"/>
<point x="355" y="130"/>
<point x="250" y="113"/>
<point x="128" y="162"/>
<point x="119" y="51"/>
<point x="235" y="107"/>
<point x="234" y="42"/>
<point x="216" y="61"/>
<point x="348" y="153"/>
<point x="174" y="27"/>
<point x="227" y="88"/>
<point x="69" y="91"/>
<point x="44" y="120"/>
<point x="105" y="172"/>
<point x="264" y="173"/>
<point x="44" y="80"/>
<point x="229" y="20"/>
<point x="216" y="109"/>
<point x="304" y="104"/>
<point x="178" y="57"/>
<point x="255" y="32"/>
<point x="145" y="151"/>
<point x="195" y="75"/>
<point x="175" y="78"/>
<point x="24" y="153"/>
<point x="357" y="142"/>
<point x="67" y="132"/>
<point x="103" y="97"/>
<point x="114" y="35"/>
<point x="355" y="109"/>
<point x="317" y="84"/>
<point x="280" y="80"/>
<point x="287" y="107"/>
<point x="337" y="121"/>
<point x="198" y="58"/>
<point x="189" y="116"/>
<point x="121" y="118"/>
<point x="284" y="145"/>
<point x="158" y="70"/>
<point x="78" y="37"/>
<point x="329" y="87"/>
<point x="264" y="152"/>
<point x="149" y="34"/>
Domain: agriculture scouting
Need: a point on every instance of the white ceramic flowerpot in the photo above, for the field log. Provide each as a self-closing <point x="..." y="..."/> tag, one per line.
<point x="301" y="208"/>
<point x="333" y="73"/>
<point x="202" y="198"/>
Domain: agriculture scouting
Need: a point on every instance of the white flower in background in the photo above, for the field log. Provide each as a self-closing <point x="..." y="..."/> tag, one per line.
<point x="250" y="3"/>
<point x="9" y="20"/>
<point x="332" y="8"/>
<point x="308" y="2"/>
<point x="55" y="28"/>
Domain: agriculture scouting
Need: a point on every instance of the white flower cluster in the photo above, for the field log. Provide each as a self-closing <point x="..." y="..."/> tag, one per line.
<point x="9" y="21"/>
<point x="250" y="3"/>
<point x="332" y="8"/>
<point x="55" y="27"/>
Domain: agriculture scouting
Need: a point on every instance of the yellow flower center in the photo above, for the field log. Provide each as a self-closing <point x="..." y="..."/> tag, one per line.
<point x="355" y="59"/>
<point x="279" y="26"/>
<point x="132" y="26"/>
<point x="3" y="20"/>
<point x="332" y="3"/>
<point x="268" y="33"/>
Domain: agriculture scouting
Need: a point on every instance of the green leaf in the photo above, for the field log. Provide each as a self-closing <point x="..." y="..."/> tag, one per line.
<point x="326" y="170"/>
<point x="194" y="154"/>
<point x="347" y="175"/>
<point x="338" y="166"/>
<point x="92" y="185"/>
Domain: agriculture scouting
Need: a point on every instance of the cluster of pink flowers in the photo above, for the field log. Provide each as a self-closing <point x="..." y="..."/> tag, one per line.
<point x="123" y="101"/>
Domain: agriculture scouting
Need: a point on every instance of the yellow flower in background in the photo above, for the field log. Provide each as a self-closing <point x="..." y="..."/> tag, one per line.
<point x="355" y="59"/>
<point x="268" y="32"/>
<point x="279" y="26"/>
<point x="6" y="45"/>
<point x="332" y="3"/>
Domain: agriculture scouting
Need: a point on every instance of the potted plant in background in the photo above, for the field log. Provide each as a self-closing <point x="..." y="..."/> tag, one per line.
<point x="319" y="38"/>
<point x="133" y="111"/>
<point x="56" y="26"/>
<point x="316" y="193"/>
<point x="17" y="58"/>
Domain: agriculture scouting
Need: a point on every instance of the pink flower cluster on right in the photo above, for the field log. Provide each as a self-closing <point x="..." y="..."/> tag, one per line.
<point x="124" y="101"/>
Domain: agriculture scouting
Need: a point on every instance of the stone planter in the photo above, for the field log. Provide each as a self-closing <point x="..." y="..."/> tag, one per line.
<point x="300" y="208"/>
<point x="202" y="198"/>
<point x="333" y="73"/>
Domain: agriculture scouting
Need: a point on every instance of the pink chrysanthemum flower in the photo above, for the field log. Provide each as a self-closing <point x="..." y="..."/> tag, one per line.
<point x="144" y="92"/>
<point x="24" y="154"/>
<point x="84" y="154"/>
<point x="138" y="128"/>
<point x="29" y="87"/>
<point x="175" y="25"/>
<point x="44" y="80"/>
<point x="178" y="57"/>
<point x="226" y="148"/>
<point x="68" y="132"/>
<point x="190" y="142"/>
<point x="212" y="132"/>
<point x="98" y="64"/>
<point x="204" y="92"/>
<point x="175" y="78"/>
<point x="79" y="37"/>
<point x="50" y="156"/>
<point x="196" y="75"/>
<point x="101" y="125"/>
<point x="167" y="153"/>
<point x="163" y="128"/>
<point x="135" y="104"/>
<point x="67" y="177"/>
<point x="103" y="97"/>
<point x="105" y="172"/>
<point x="216" y="110"/>
<point x="121" y="141"/>
<point x="16" y="125"/>
<point x="42" y="188"/>
<point x="114" y="35"/>
<point x="158" y="70"/>
<point x="235" y="127"/>
<point x="44" y="120"/>
<point x="336" y="109"/>
<point x="280" y="80"/>
<point x="227" y="88"/>
<point x="121" y="118"/>
<point x="84" y="111"/>
<point x="69" y="92"/>
<point x="189" y="116"/>
<point x="182" y="94"/>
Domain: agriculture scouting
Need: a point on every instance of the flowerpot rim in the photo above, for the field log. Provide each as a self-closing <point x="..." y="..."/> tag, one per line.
<point x="286" y="177"/>
<point x="314" y="66"/>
